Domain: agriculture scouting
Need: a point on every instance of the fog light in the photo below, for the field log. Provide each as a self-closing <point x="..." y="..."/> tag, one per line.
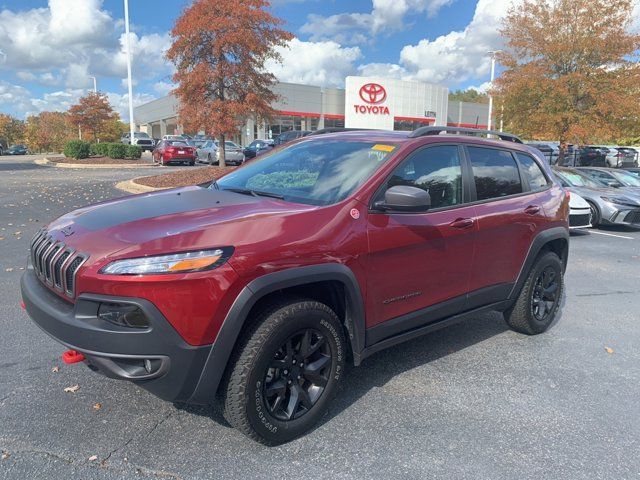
<point x="123" y="315"/>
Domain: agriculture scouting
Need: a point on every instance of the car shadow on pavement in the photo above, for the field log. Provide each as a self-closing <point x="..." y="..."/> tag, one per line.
<point x="379" y="369"/>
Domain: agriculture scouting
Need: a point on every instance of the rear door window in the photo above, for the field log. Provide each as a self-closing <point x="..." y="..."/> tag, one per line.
<point x="495" y="173"/>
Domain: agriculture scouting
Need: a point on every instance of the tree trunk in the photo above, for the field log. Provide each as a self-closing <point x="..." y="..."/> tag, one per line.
<point x="221" y="149"/>
<point x="561" y="151"/>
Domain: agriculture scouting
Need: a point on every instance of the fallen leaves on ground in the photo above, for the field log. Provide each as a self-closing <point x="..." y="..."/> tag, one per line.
<point x="184" y="178"/>
<point x="55" y="369"/>
<point x="609" y="350"/>
<point x="93" y="458"/>
<point x="97" y="406"/>
<point x="73" y="389"/>
<point x="5" y="455"/>
<point x="8" y="270"/>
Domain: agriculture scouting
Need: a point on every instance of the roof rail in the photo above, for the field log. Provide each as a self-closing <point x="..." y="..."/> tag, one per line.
<point x="432" y="130"/>
<point x="334" y="130"/>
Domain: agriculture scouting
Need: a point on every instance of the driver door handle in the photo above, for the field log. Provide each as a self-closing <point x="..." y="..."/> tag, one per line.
<point x="462" y="223"/>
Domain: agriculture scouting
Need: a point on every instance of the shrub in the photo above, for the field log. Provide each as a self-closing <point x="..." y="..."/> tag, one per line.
<point x="134" y="151"/>
<point x="117" y="150"/>
<point x="77" y="149"/>
<point x="100" y="149"/>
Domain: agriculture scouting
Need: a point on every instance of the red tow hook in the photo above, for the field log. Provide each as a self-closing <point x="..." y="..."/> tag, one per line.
<point x="22" y="305"/>
<point x="71" y="356"/>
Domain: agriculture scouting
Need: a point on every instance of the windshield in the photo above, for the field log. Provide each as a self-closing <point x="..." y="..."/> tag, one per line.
<point x="140" y="135"/>
<point x="320" y="172"/>
<point x="176" y="143"/>
<point x="207" y="144"/>
<point x="577" y="179"/>
<point x="626" y="178"/>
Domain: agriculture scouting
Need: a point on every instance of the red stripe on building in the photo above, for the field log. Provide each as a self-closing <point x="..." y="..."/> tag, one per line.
<point x="425" y="120"/>
<point x="299" y="114"/>
<point x="467" y="125"/>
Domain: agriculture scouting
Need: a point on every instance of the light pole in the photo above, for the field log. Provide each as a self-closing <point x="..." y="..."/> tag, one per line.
<point x="95" y="84"/>
<point x="493" y="74"/>
<point x="128" y="46"/>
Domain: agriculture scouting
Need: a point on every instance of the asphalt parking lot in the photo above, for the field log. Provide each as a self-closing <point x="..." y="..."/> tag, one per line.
<point x="473" y="401"/>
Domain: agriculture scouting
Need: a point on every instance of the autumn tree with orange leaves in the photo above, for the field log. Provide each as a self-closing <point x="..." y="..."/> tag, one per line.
<point x="571" y="71"/>
<point x="93" y="114"/>
<point x="219" y="49"/>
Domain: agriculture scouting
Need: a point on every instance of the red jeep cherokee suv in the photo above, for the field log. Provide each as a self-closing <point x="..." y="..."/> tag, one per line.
<point x="259" y="287"/>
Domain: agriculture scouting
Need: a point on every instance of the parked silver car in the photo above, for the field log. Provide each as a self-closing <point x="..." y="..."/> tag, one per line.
<point x="615" y="178"/>
<point x="209" y="153"/>
<point x="609" y="206"/>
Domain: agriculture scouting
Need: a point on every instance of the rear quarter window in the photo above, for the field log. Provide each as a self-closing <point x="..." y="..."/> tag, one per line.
<point x="532" y="172"/>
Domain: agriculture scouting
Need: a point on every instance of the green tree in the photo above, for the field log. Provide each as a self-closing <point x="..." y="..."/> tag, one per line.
<point x="470" y="95"/>
<point x="571" y="70"/>
<point x="219" y="49"/>
<point x="11" y="129"/>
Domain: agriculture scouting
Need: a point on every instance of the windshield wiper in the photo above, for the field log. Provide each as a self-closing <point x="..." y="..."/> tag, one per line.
<point x="254" y="193"/>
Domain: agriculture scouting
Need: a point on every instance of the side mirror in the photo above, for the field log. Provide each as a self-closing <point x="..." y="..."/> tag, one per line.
<point x="614" y="184"/>
<point x="404" y="198"/>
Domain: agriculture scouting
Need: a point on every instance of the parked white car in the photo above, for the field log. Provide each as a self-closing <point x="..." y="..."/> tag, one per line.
<point x="209" y="153"/>
<point x="579" y="212"/>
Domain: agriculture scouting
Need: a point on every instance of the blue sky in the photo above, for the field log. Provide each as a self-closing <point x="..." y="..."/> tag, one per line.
<point x="48" y="49"/>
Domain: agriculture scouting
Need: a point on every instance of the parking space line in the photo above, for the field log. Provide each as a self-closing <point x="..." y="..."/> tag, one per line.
<point x="612" y="235"/>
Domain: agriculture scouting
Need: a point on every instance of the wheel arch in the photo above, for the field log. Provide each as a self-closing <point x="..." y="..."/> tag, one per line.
<point x="555" y="240"/>
<point x="326" y="283"/>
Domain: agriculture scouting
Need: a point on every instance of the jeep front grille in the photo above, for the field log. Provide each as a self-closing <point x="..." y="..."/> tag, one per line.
<point x="55" y="263"/>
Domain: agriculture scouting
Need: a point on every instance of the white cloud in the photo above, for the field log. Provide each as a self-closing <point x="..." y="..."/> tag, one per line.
<point x="120" y="103"/>
<point x="316" y="63"/>
<point x="382" y="70"/>
<point x="358" y="28"/>
<point x="163" y="88"/>
<point x="482" y="88"/>
<point x="69" y="40"/>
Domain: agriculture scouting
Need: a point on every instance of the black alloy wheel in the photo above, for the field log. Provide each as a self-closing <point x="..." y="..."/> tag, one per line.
<point x="297" y="375"/>
<point x="545" y="294"/>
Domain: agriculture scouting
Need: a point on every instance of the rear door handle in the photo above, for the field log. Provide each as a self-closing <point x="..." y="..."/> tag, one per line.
<point x="532" y="210"/>
<point x="462" y="223"/>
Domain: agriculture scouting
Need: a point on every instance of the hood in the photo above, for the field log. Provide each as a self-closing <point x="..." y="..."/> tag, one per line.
<point x="596" y="194"/>
<point x="184" y="219"/>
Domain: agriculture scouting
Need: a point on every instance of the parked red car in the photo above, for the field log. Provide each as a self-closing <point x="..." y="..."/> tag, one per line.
<point x="168" y="151"/>
<point x="260" y="287"/>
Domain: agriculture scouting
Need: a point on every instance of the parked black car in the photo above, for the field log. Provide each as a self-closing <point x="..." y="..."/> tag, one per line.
<point x="257" y="147"/>
<point x="591" y="156"/>
<point x="285" y="137"/>
<point x="17" y="150"/>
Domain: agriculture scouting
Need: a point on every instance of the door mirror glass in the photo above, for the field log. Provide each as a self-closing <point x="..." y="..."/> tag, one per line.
<point x="404" y="198"/>
<point x="614" y="184"/>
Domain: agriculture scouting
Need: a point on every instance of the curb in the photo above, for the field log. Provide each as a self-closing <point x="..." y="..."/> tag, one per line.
<point x="130" y="186"/>
<point x="44" y="161"/>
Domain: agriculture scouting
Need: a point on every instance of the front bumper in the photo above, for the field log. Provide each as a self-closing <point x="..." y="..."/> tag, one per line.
<point x="626" y="216"/>
<point x="155" y="358"/>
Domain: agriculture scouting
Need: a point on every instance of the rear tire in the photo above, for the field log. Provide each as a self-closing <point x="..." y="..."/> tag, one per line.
<point x="285" y="371"/>
<point x="539" y="300"/>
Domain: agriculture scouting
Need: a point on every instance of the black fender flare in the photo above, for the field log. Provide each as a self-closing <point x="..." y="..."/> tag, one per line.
<point x="229" y="333"/>
<point x="539" y="241"/>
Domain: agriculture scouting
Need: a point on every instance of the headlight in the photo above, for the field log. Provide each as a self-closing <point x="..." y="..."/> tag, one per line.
<point x="621" y="201"/>
<point x="175" y="263"/>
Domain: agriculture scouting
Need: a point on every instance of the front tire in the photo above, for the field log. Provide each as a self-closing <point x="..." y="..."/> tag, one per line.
<point x="596" y="218"/>
<point x="539" y="300"/>
<point x="285" y="372"/>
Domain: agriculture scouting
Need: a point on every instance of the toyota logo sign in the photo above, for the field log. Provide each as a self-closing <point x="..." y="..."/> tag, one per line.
<point x="373" y="93"/>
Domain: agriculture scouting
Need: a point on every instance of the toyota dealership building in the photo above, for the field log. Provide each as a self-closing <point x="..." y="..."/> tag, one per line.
<point x="366" y="102"/>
